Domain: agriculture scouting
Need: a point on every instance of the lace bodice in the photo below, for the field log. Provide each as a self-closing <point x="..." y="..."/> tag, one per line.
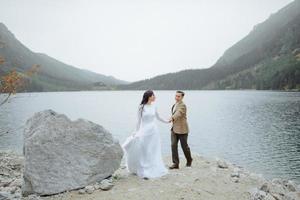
<point x="147" y="114"/>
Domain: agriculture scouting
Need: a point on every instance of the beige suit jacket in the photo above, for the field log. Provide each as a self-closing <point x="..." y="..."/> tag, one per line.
<point x="180" y="125"/>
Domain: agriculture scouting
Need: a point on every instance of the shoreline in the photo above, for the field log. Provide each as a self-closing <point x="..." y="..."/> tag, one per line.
<point x="207" y="179"/>
<point x="133" y="90"/>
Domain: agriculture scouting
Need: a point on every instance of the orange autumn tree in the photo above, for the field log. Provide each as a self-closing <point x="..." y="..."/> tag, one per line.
<point x="12" y="82"/>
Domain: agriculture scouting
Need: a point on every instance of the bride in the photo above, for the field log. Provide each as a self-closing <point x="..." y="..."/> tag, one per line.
<point x="143" y="149"/>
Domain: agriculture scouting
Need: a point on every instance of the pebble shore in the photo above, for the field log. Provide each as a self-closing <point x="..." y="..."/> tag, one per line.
<point x="207" y="179"/>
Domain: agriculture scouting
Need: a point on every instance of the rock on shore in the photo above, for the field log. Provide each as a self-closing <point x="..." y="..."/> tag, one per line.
<point x="205" y="180"/>
<point x="62" y="155"/>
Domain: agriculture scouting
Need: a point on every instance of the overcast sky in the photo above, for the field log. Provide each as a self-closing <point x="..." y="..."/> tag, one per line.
<point x="134" y="40"/>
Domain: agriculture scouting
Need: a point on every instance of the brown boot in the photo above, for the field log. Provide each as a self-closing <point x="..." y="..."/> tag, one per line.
<point x="174" y="166"/>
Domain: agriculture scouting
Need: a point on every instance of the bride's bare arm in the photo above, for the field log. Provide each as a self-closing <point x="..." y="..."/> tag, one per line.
<point x="159" y="118"/>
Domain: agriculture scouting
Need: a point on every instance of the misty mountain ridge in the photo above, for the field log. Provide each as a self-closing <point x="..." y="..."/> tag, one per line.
<point x="267" y="58"/>
<point x="52" y="75"/>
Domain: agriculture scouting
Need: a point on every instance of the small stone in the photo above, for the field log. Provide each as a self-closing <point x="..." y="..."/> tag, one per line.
<point x="89" y="189"/>
<point x="258" y="195"/>
<point x="222" y="164"/>
<point x="291" y="186"/>
<point x="235" y="174"/>
<point x="97" y="186"/>
<point x="235" y="179"/>
<point x="106" y="184"/>
<point x="269" y="197"/>
<point x="265" y="187"/>
<point x="277" y="189"/>
<point x="81" y="191"/>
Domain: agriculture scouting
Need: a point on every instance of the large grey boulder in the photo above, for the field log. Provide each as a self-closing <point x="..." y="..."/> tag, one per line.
<point x="62" y="155"/>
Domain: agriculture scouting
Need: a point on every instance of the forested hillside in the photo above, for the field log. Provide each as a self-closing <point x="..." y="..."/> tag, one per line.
<point x="267" y="58"/>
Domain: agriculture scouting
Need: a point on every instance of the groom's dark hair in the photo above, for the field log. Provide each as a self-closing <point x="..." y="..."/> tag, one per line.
<point x="180" y="92"/>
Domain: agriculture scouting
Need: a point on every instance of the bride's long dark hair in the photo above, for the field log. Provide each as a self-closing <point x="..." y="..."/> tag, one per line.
<point x="146" y="96"/>
<point x="145" y="99"/>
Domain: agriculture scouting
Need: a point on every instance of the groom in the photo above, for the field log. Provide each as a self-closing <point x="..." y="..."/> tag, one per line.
<point x="179" y="131"/>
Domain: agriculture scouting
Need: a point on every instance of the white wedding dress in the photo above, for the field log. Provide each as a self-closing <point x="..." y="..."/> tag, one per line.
<point x="143" y="149"/>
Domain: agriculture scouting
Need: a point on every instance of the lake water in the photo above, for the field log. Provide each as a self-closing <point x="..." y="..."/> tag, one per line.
<point x="258" y="130"/>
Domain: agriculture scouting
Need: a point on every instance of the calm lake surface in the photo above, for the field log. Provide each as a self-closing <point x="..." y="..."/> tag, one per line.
<point x="258" y="130"/>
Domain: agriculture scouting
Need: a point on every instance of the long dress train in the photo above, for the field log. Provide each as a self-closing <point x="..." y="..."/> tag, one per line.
<point x="143" y="149"/>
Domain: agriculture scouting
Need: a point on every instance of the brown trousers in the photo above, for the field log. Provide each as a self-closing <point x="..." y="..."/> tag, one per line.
<point x="184" y="145"/>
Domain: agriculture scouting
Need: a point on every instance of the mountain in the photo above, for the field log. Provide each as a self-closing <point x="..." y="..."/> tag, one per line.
<point x="52" y="75"/>
<point x="267" y="58"/>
